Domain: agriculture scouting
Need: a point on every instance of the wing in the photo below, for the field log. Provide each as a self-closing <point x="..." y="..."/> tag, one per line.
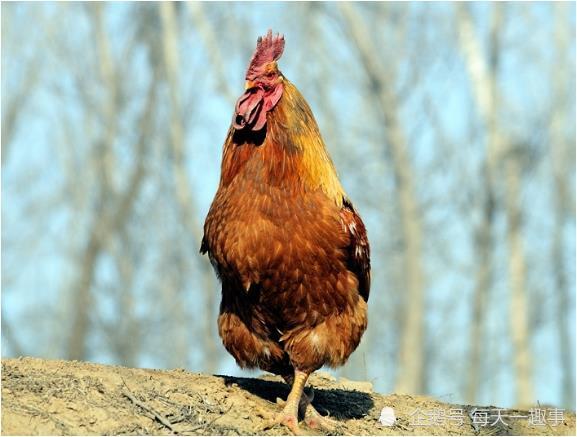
<point x="359" y="261"/>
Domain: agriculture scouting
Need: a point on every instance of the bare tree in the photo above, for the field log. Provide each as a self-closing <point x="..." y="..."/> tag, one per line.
<point x="112" y="207"/>
<point x="483" y="237"/>
<point x="108" y="167"/>
<point x="410" y="363"/>
<point x="485" y="90"/>
<point x="209" y="38"/>
<point x="561" y="160"/>
<point x="183" y="193"/>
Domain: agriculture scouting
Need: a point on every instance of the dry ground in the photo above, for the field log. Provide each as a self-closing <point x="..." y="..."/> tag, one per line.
<point x="42" y="397"/>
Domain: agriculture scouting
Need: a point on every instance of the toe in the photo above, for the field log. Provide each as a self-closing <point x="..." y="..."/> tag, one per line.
<point x="291" y="423"/>
<point x="288" y="420"/>
<point x="314" y="420"/>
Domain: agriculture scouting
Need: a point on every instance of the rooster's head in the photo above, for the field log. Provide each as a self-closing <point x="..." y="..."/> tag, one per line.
<point x="264" y="84"/>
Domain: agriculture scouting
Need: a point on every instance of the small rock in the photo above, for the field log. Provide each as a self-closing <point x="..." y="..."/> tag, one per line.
<point x="387" y="417"/>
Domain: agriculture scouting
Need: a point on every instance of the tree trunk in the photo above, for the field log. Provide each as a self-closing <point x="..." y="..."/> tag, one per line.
<point x="183" y="193"/>
<point x="483" y="282"/>
<point x="560" y="160"/>
<point x="517" y="283"/>
<point x="484" y="82"/>
<point x="411" y="359"/>
<point x="113" y="208"/>
<point x="484" y="232"/>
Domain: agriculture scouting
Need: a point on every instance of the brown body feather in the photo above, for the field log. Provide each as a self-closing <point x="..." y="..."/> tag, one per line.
<point x="288" y="246"/>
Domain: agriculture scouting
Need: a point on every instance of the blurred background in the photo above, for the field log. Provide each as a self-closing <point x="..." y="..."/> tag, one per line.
<point x="452" y="127"/>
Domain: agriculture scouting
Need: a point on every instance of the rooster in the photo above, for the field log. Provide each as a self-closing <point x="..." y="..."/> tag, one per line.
<point x="285" y="240"/>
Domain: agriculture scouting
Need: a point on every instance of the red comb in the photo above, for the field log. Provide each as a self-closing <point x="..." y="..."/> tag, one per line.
<point x="269" y="48"/>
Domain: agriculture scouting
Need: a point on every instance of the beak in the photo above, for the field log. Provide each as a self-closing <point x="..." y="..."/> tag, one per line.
<point x="248" y="84"/>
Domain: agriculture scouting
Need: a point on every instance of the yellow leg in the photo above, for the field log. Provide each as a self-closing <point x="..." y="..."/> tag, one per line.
<point x="312" y="417"/>
<point x="289" y="414"/>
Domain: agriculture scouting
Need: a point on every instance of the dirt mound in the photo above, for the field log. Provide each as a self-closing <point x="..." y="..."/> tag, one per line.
<point x="41" y="397"/>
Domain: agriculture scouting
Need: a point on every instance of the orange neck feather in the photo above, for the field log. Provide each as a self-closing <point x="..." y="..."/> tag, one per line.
<point x="292" y="154"/>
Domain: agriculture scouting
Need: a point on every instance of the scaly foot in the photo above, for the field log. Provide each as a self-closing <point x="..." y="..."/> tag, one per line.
<point x="286" y="417"/>
<point x="289" y="416"/>
<point x="312" y="418"/>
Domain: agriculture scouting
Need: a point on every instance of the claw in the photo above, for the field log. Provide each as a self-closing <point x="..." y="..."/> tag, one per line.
<point x="299" y="404"/>
<point x="287" y="419"/>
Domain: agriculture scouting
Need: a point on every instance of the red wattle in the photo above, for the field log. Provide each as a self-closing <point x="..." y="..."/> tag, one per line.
<point x="252" y="106"/>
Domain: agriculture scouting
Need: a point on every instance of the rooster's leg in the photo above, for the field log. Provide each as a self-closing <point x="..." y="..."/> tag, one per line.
<point x="289" y="415"/>
<point x="312" y="417"/>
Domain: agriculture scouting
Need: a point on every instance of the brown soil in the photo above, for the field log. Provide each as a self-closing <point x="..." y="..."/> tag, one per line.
<point x="42" y="397"/>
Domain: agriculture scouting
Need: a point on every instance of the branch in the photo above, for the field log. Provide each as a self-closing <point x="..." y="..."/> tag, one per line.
<point x="152" y="412"/>
<point x="183" y="192"/>
<point x="209" y="39"/>
<point x="411" y="351"/>
<point x="12" y="109"/>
